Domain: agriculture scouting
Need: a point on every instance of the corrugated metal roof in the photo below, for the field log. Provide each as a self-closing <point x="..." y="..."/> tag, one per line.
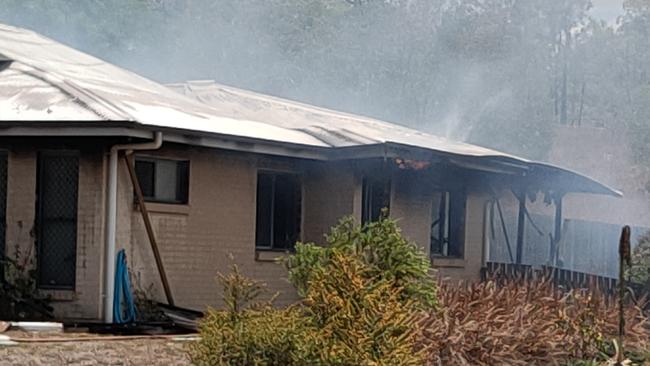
<point x="340" y="129"/>
<point x="43" y="80"/>
<point x="46" y="81"/>
<point x="334" y="128"/>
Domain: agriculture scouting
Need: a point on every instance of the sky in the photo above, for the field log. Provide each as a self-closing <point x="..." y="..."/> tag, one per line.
<point x="607" y="9"/>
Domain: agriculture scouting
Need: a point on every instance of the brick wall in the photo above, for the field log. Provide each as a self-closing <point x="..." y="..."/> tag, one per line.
<point x="85" y="300"/>
<point x="330" y="194"/>
<point x="217" y="228"/>
<point x="411" y="205"/>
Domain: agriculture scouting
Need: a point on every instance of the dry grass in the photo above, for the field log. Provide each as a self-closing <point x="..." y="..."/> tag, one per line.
<point x="524" y="324"/>
<point x="478" y="324"/>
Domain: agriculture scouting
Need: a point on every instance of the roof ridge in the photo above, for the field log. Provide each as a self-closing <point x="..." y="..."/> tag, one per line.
<point x="245" y="93"/>
<point x="289" y="102"/>
<point x="67" y="88"/>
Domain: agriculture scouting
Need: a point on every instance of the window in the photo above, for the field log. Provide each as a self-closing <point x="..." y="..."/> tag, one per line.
<point x="56" y="219"/>
<point x="448" y="224"/>
<point x="165" y="181"/>
<point x="279" y="201"/>
<point x="375" y="197"/>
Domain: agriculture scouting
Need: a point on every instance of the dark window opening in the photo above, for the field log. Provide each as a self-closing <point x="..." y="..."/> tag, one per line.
<point x="3" y="212"/>
<point x="279" y="200"/>
<point x="164" y="181"/>
<point x="56" y="219"/>
<point x="375" y="197"/>
<point x="448" y="224"/>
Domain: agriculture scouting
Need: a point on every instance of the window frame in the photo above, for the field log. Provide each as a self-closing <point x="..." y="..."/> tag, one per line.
<point x="455" y="236"/>
<point x="367" y="207"/>
<point x="299" y="180"/>
<point x="181" y="185"/>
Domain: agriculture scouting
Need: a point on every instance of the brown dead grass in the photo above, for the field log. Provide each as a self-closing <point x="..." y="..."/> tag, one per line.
<point x="524" y="324"/>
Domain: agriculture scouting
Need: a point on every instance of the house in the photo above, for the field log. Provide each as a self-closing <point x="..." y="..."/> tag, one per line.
<point x="239" y="180"/>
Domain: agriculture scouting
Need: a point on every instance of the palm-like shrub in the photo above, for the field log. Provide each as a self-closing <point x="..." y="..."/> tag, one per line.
<point x="249" y="332"/>
<point x="380" y="248"/>
<point x="363" y="296"/>
<point x="361" y="319"/>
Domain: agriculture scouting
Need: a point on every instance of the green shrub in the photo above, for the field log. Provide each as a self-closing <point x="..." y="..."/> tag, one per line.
<point x="383" y="251"/>
<point x="264" y="336"/>
<point x="639" y="272"/>
<point x="250" y="333"/>
<point x="363" y="296"/>
<point x="361" y="320"/>
<point x="307" y="259"/>
<point x="364" y="293"/>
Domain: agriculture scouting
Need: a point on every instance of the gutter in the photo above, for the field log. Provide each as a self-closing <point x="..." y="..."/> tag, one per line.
<point x="111" y="219"/>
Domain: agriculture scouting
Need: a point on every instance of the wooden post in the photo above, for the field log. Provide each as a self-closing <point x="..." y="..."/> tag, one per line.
<point x="149" y="228"/>
<point x="503" y="227"/>
<point x="624" y="257"/>
<point x="521" y="222"/>
<point x="557" y="236"/>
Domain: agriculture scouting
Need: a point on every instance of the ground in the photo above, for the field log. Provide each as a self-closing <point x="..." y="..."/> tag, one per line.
<point x="131" y="352"/>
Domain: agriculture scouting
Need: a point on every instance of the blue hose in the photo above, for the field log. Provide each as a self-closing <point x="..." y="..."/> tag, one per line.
<point x="122" y="296"/>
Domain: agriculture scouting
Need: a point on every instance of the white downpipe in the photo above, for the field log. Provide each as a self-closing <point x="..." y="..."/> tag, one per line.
<point x="111" y="218"/>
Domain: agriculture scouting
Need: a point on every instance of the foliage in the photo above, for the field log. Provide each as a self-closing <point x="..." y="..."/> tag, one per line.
<point x="361" y="320"/>
<point x="639" y="272"/>
<point x="263" y="336"/>
<point x="379" y="246"/>
<point x="247" y="332"/>
<point x="240" y="291"/>
<point x="19" y="295"/>
<point x="307" y="259"/>
<point x="524" y="324"/>
<point x="363" y="298"/>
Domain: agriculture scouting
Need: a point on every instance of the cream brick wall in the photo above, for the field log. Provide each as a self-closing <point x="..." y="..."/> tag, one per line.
<point x="21" y="194"/>
<point x="198" y="240"/>
<point x="412" y="197"/>
<point x="330" y="193"/>
<point x="411" y="205"/>
<point x="217" y="227"/>
<point x="84" y="301"/>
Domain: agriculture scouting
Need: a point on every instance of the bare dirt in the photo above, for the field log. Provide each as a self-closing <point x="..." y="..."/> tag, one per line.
<point x="96" y="352"/>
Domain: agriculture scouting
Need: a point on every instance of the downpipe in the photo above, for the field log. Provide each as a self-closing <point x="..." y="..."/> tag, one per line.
<point x="111" y="218"/>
